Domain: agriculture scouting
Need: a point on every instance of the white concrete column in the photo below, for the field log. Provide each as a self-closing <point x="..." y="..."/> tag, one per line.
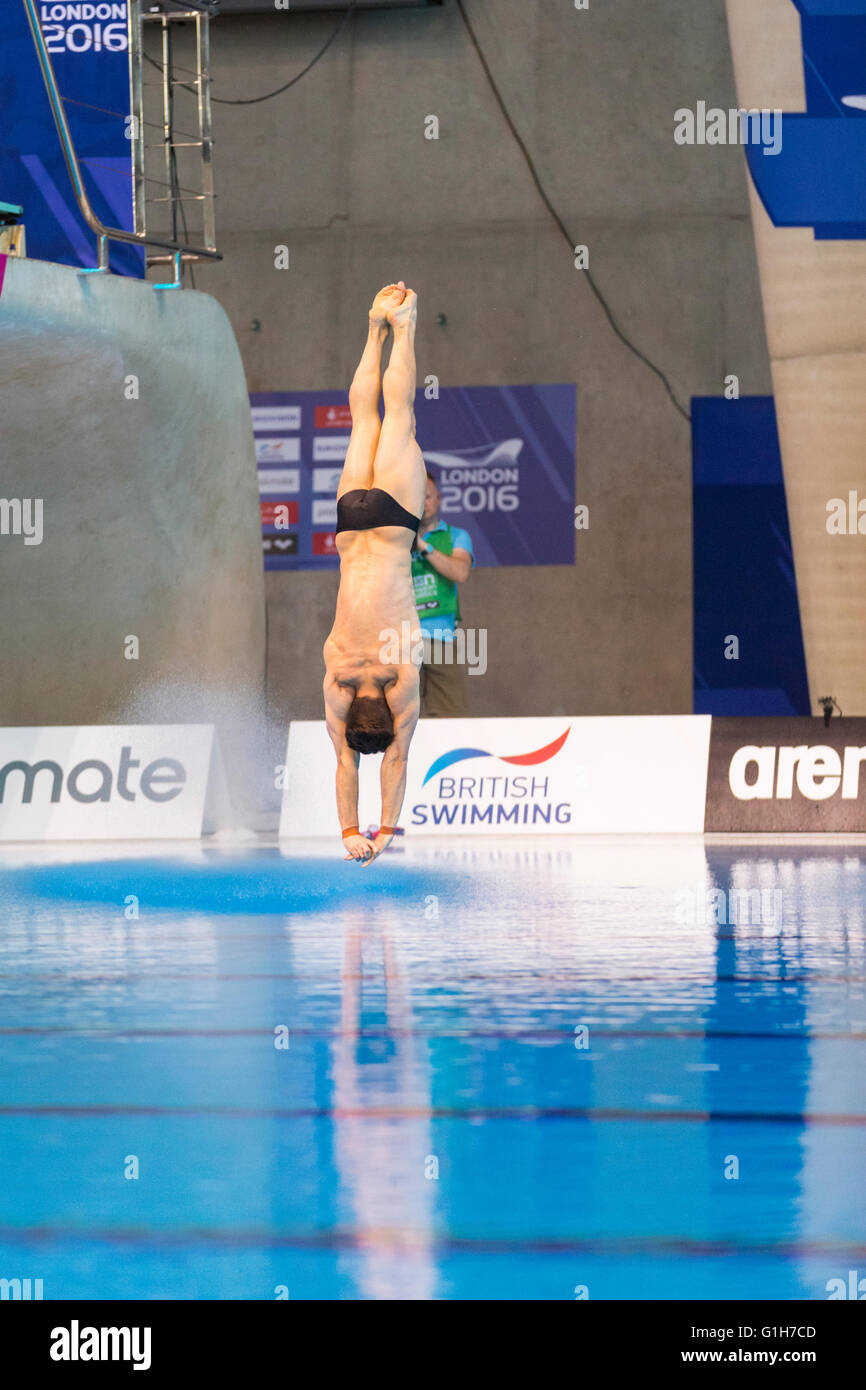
<point x="814" y="295"/>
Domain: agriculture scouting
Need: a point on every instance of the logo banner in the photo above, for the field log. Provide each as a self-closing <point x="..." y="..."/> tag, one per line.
<point x="106" y="782"/>
<point x="504" y="458"/>
<point x="554" y="775"/>
<point x="768" y="775"/>
<point x="88" y="45"/>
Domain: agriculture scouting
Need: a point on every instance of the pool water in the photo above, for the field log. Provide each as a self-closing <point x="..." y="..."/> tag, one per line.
<point x="532" y="1069"/>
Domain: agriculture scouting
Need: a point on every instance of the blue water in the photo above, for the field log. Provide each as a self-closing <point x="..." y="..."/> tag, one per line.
<point x="530" y="1069"/>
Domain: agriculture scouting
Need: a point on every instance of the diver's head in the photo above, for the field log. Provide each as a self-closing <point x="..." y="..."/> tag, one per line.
<point x="369" y="724"/>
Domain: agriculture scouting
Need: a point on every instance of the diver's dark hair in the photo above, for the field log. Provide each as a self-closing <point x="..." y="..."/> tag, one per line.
<point x="369" y="724"/>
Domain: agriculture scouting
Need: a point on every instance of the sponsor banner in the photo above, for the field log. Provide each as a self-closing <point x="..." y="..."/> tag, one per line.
<point x="275" y="544"/>
<point x="333" y="417"/>
<point x="276" y="417"/>
<point x="553" y="776"/>
<point x="279" y="512"/>
<point x="324" y="543"/>
<point x="89" y="51"/>
<point x="277" y="449"/>
<point x="326" y="480"/>
<point x="279" y="480"/>
<point x="325" y="513"/>
<point x="504" y="457"/>
<point x="329" y="450"/>
<point x="107" y="782"/>
<point x="769" y="775"/>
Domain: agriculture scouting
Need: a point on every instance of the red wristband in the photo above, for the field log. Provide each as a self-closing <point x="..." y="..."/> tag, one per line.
<point x="387" y="830"/>
<point x="350" y="830"/>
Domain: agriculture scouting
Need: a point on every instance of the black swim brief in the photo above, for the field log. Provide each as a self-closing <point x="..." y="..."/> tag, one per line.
<point x="364" y="508"/>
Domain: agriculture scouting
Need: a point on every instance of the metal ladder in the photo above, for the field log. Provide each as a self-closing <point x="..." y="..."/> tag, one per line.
<point x="180" y="248"/>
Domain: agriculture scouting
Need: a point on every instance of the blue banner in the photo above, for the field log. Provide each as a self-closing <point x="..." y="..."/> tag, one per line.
<point x="818" y="177"/>
<point x="88" y="47"/>
<point x="504" y="458"/>
<point x="748" y="645"/>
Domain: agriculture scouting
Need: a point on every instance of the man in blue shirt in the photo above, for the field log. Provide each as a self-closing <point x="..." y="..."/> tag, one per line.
<point x="442" y="558"/>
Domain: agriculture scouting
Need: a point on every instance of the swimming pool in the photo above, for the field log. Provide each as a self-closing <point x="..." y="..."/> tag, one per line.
<point x="534" y="1069"/>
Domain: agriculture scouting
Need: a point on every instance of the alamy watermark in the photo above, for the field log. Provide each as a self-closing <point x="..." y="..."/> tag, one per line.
<point x="853" y="1287"/>
<point x="737" y="126"/>
<point x="702" y="907"/>
<point x="22" y="516"/>
<point x="21" y="1289"/>
<point x="77" y="1343"/>
<point x="467" y="647"/>
<point x="846" y="516"/>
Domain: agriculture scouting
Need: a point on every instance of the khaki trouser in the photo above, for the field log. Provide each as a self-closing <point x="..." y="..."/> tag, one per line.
<point x="444" y="693"/>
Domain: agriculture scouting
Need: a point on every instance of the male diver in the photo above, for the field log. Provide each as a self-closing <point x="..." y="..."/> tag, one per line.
<point x="371" y="703"/>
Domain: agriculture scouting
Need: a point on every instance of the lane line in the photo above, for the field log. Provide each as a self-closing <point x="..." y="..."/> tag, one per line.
<point x="407" y="1240"/>
<point x="378" y="1112"/>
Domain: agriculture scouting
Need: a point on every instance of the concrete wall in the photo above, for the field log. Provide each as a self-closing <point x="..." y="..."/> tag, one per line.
<point x="124" y="413"/>
<point x="339" y="170"/>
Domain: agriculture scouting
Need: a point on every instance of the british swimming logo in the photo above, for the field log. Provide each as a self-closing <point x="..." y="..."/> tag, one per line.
<point x="514" y="796"/>
<point x="459" y="755"/>
<point x="816" y="180"/>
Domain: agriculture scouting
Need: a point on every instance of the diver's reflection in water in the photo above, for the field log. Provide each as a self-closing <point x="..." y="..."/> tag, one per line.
<point x="381" y="1156"/>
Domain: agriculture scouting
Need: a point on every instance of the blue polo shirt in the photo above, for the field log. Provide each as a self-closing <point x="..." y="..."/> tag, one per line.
<point x="443" y="627"/>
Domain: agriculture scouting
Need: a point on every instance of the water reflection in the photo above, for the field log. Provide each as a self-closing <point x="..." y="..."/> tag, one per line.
<point x="383" y="1157"/>
<point x="714" y="1014"/>
<point x="583" y="1033"/>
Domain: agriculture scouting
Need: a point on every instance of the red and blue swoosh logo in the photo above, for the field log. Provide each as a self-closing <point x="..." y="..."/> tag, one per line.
<point x="459" y="755"/>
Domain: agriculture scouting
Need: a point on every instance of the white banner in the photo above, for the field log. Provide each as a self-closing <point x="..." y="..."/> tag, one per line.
<point x="106" y="782"/>
<point x="551" y="776"/>
<point x="276" y="417"/>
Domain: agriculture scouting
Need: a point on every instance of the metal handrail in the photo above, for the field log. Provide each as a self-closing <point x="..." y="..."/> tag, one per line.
<point x="104" y="233"/>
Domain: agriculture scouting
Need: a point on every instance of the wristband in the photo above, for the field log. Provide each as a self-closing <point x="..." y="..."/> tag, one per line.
<point x="387" y="830"/>
<point x="350" y="830"/>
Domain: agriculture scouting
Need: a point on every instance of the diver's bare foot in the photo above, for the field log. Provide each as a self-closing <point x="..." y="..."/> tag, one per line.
<point x="404" y="312"/>
<point x="388" y="299"/>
